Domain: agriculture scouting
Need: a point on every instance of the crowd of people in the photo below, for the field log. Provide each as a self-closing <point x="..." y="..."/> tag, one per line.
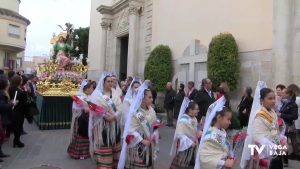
<point x="115" y="123"/>
<point x="117" y="126"/>
<point x="17" y="102"/>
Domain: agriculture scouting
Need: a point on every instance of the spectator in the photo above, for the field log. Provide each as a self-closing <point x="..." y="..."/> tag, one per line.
<point x="296" y="90"/>
<point x="18" y="111"/>
<point x="204" y="98"/>
<point x="20" y="73"/>
<point x="289" y="113"/>
<point x="11" y="74"/>
<point x="244" y="108"/>
<point x="29" y="101"/>
<point x="279" y="89"/>
<point x="32" y="85"/>
<point x="191" y="90"/>
<point x="295" y="155"/>
<point x="5" y="109"/>
<point x="178" y="100"/>
<point x="169" y="103"/>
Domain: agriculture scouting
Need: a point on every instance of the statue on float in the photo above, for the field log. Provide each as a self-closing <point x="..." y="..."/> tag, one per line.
<point x="61" y="53"/>
<point x="63" y="74"/>
<point x="63" y="46"/>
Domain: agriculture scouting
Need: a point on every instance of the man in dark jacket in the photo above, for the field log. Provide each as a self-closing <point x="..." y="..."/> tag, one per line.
<point x="204" y="98"/>
<point x="169" y="103"/>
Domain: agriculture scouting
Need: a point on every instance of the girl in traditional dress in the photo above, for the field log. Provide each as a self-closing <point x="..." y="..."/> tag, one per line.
<point x="104" y="127"/>
<point x="116" y="86"/>
<point x="187" y="137"/>
<point x="263" y="129"/>
<point x="214" y="148"/>
<point x="79" y="145"/>
<point x="128" y="99"/>
<point x="138" y="149"/>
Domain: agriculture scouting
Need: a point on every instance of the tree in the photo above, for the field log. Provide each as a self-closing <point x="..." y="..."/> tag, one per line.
<point x="83" y="42"/>
<point x="223" y="60"/>
<point x="159" y="67"/>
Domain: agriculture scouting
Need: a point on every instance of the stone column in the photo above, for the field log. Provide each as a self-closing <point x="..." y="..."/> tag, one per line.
<point x="103" y="46"/>
<point x="132" y="51"/>
<point x="281" y="62"/>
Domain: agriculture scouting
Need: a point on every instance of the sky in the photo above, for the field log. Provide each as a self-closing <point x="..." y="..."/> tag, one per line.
<point x="46" y="15"/>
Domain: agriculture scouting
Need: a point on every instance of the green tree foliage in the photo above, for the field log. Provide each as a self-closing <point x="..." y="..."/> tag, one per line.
<point x="223" y="60"/>
<point x="83" y="43"/>
<point x="159" y="67"/>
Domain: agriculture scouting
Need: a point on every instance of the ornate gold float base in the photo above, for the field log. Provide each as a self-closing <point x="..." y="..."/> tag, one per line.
<point x="59" y="92"/>
<point x="64" y="88"/>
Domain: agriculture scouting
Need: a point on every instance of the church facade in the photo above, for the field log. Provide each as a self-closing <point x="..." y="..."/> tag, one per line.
<point x="123" y="33"/>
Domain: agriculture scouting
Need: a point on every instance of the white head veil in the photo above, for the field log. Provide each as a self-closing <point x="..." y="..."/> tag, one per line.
<point x="128" y="99"/>
<point x="216" y="106"/>
<point x="133" y="108"/>
<point x="99" y="88"/>
<point x="255" y="108"/>
<point x="184" y="105"/>
<point x="83" y="83"/>
<point x="129" y="95"/>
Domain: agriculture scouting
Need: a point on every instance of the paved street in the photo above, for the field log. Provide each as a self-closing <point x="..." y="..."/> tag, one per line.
<point x="49" y="147"/>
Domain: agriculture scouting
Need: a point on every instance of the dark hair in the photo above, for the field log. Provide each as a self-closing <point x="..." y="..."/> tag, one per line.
<point x="295" y="89"/>
<point x="147" y="90"/>
<point x="106" y="78"/>
<point x="281" y="86"/>
<point x="129" y="78"/>
<point x="11" y="74"/>
<point x="87" y="86"/>
<point x="1" y="72"/>
<point x="191" y="105"/>
<point x="181" y="87"/>
<point x="25" y="80"/>
<point x="264" y="92"/>
<point x="221" y="113"/>
<point x="15" y="81"/>
<point x="94" y="83"/>
<point x="3" y="82"/>
<point x="191" y="83"/>
<point x="248" y="91"/>
<point x="135" y="82"/>
<point x="290" y="92"/>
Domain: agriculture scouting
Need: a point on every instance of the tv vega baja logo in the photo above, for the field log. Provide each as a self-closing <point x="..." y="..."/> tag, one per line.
<point x="272" y="150"/>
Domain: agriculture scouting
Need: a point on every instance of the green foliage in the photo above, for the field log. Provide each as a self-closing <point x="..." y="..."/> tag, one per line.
<point x="235" y="123"/>
<point x="159" y="67"/>
<point x="223" y="60"/>
<point x="83" y="42"/>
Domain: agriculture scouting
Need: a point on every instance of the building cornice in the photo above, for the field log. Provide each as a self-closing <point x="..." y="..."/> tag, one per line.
<point x="12" y="14"/>
<point x="117" y="7"/>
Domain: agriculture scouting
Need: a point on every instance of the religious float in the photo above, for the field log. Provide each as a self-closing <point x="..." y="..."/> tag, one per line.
<point x="59" y="78"/>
